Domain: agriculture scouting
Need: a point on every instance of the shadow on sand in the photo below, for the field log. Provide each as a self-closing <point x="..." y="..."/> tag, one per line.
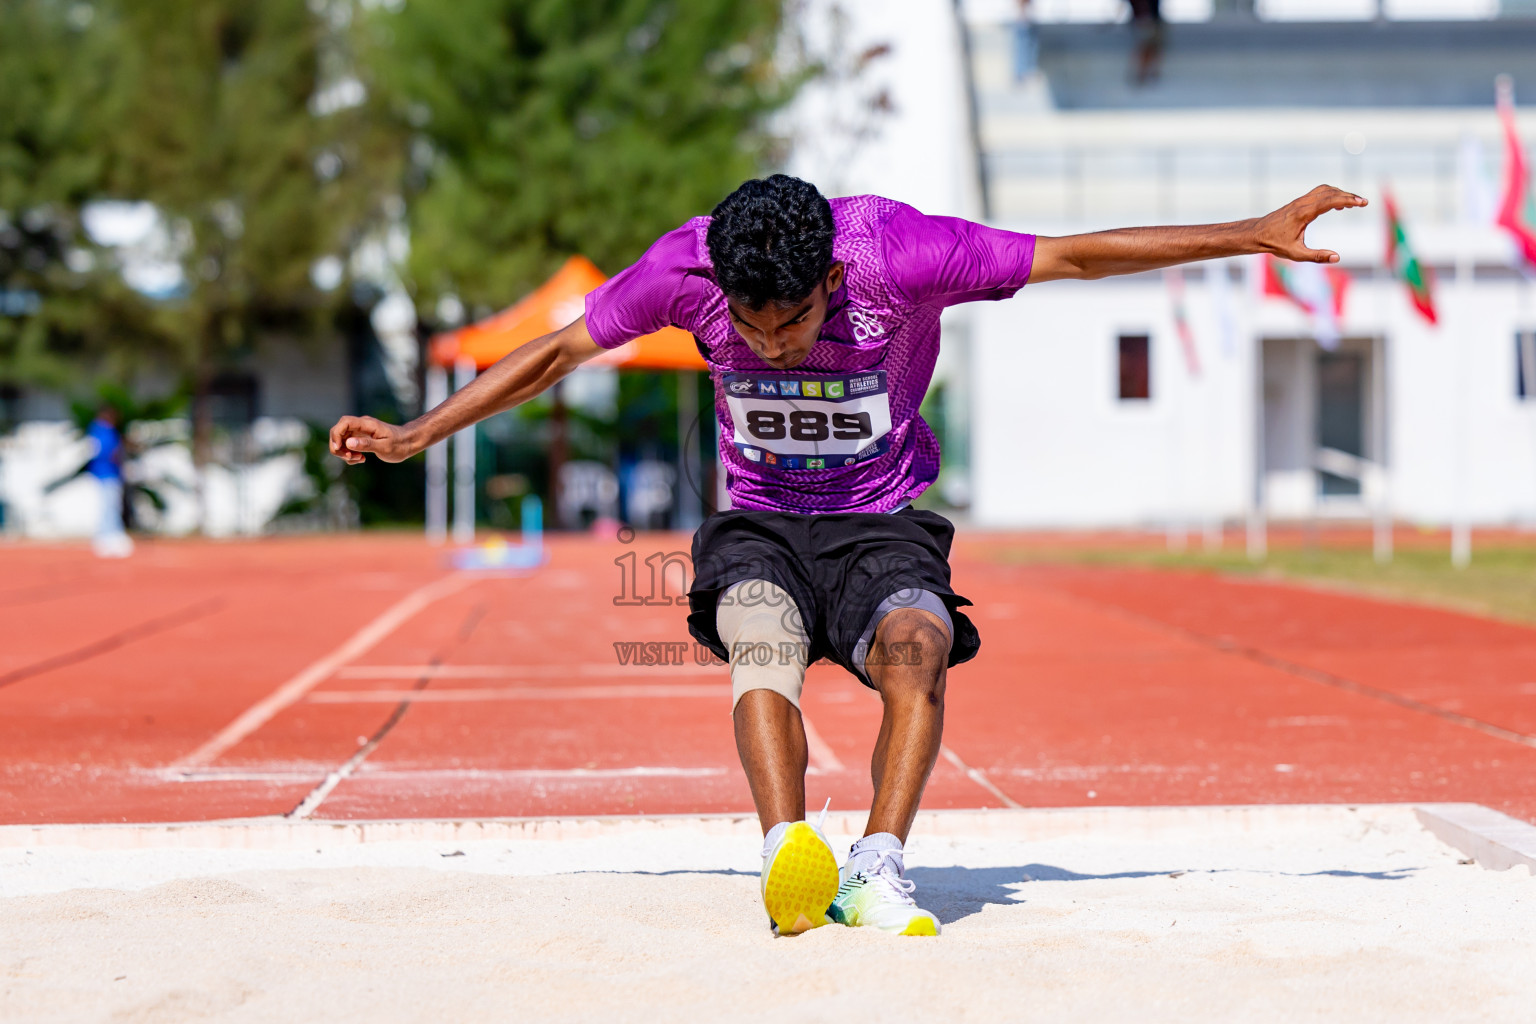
<point x="954" y="893"/>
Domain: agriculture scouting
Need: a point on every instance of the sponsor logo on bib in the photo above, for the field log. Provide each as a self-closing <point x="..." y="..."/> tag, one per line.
<point x="792" y="424"/>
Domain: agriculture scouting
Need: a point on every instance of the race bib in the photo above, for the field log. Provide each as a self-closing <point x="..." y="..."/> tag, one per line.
<point x="795" y="422"/>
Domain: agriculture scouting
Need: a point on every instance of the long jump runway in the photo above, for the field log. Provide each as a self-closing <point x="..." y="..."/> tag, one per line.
<point x="428" y="795"/>
<point x="360" y="679"/>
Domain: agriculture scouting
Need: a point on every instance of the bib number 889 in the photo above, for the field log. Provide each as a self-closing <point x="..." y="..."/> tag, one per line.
<point x="809" y="425"/>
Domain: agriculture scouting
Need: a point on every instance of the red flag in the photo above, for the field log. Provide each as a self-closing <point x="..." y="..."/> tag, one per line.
<point x="1515" y="213"/>
<point x="1405" y="264"/>
<point x="1174" y="279"/>
<point x="1316" y="288"/>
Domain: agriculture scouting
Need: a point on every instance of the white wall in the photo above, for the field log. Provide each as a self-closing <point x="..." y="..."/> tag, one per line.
<point x="920" y="153"/>
<point x="1053" y="447"/>
<point x="238" y="500"/>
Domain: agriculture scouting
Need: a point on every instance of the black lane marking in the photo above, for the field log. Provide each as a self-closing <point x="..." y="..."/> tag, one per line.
<point x="180" y="617"/>
<point x="306" y="807"/>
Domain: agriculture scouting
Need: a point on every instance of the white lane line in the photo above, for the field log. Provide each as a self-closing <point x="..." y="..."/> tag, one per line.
<point x="264" y="710"/>
<point x="544" y="773"/>
<point x="586" y="670"/>
<point x="979" y="777"/>
<point x="823" y="757"/>
<point x="468" y="695"/>
<point x="447" y="774"/>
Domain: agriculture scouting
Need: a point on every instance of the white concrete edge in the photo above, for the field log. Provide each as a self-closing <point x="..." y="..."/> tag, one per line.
<point x="278" y="833"/>
<point x="1494" y="840"/>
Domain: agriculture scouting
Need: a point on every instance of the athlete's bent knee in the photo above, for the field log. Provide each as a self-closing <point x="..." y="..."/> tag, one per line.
<point x="761" y="629"/>
<point x="908" y="639"/>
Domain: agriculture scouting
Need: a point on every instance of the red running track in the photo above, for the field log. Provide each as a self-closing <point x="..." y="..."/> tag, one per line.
<point x="356" y="677"/>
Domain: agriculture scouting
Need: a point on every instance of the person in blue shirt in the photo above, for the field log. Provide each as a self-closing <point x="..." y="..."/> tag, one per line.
<point x="106" y="468"/>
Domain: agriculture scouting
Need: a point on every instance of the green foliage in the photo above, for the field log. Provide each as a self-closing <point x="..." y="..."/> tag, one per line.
<point x="220" y="131"/>
<point x="544" y="128"/>
<point x="518" y="132"/>
<point x="58" y="104"/>
<point x="504" y="135"/>
<point x="204" y="108"/>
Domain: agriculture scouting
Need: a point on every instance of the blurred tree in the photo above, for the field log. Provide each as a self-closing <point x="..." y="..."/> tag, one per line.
<point x="544" y="128"/>
<point x="60" y="295"/>
<point x="251" y="128"/>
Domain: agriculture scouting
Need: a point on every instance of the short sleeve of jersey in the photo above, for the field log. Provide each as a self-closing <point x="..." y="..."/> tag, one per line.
<point x="663" y="288"/>
<point x="944" y="261"/>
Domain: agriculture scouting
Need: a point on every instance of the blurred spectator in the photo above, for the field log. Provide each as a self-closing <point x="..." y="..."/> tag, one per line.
<point x="106" y="468"/>
<point x="648" y="494"/>
<point x="1147" y="20"/>
<point x="589" y="493"/>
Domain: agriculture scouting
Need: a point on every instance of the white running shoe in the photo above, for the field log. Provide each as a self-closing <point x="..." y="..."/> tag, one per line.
<point x="882" y="899"/>
<point x="799" y="879"/>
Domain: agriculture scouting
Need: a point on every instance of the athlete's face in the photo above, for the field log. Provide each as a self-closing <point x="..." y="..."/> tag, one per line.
<point x="782" y="333"/>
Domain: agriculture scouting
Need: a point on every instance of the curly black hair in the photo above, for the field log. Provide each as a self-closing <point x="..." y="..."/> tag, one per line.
<point x="771" y="241"/>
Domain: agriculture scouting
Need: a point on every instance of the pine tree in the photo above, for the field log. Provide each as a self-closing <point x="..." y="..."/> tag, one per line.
<point x="61" y="298"/>
<point x="544" y="128"/>
<point x="249" y="129"/>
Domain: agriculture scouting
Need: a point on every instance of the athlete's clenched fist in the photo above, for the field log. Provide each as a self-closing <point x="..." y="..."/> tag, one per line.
<point x="353" y="436"/>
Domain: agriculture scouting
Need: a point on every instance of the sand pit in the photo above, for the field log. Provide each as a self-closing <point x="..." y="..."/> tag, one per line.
<point x="1174" y="914"/>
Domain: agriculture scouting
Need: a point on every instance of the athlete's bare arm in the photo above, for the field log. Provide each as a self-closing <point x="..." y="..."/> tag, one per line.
<point x="518" y="376"/>
<point x="1131" y="250"/>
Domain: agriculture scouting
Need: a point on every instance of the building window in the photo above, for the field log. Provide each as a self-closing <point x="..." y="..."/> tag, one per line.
<point x="233" y="400"/>
<point x="10" y="408"/>
<point x="1135" y="366"/>
<point x="1525" y="366"/>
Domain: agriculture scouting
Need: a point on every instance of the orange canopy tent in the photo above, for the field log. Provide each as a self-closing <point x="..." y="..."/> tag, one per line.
<point x="550" y="307"/>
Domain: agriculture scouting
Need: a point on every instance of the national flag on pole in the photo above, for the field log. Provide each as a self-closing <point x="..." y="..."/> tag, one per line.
<point x="1173" y="277"/>
<point x="1517" y="212"/>
<point x="1316" y="288"/>
<point x="1420" y="281"/>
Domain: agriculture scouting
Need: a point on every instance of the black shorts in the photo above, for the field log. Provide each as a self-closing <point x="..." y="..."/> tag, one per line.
<point x="838" y="567"/>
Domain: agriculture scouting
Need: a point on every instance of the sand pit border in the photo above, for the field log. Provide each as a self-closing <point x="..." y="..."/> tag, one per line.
<point x="1495" y="841"/>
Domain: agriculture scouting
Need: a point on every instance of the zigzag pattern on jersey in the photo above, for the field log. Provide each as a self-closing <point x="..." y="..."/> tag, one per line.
<point x="907" y="349"/>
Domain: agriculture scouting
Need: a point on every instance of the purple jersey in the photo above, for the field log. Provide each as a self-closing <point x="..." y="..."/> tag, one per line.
<point x="841" y="431"/>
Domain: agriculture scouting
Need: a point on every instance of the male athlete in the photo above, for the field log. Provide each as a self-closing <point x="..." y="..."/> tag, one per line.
<point x="820" y="324"/>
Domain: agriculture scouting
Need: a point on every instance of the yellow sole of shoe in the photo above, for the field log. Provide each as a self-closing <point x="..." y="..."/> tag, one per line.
<point x="920" y="926"/>
<point x="802" y="880"/>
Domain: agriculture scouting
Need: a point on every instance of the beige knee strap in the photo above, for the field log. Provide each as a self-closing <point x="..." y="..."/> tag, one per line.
<point x="761" y="628"/>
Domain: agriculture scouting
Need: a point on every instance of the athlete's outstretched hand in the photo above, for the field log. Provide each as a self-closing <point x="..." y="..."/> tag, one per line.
<point x="352" y="436"/>
<point x="1284" y="231"/>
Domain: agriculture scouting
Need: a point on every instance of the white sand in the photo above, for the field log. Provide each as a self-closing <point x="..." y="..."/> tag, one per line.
<point x="1278" y="914"/>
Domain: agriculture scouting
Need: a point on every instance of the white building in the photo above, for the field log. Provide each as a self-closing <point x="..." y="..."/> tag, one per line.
<point x="1422" y="423"/>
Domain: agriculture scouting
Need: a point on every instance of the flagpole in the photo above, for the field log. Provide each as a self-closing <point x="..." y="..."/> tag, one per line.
<point x="1381" y="533"/>
<point x="1461" y="526"/>
<point x="1258" y="532"/>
